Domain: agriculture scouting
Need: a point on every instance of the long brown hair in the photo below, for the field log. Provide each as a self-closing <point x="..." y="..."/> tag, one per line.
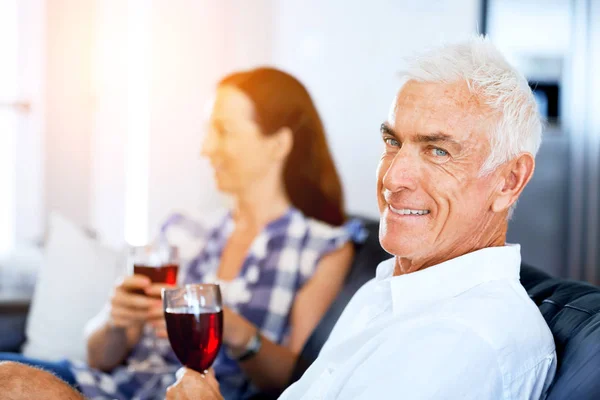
<point x="280" y="100"/>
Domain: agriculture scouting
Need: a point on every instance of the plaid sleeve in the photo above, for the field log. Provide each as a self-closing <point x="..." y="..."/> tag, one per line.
<point x="322" y="239"/>
<point x="192" y="226"/>
<point x="189" y="233"/>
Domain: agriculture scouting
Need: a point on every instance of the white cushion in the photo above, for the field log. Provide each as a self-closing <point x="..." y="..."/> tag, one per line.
<point x="73" y="285"/>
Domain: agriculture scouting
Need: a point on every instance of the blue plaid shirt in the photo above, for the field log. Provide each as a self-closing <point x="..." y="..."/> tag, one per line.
<point x="281" y="259"/>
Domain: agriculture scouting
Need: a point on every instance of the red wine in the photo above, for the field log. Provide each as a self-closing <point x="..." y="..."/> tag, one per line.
<point x="195" y="336"/>
<point x="166" y="273"/>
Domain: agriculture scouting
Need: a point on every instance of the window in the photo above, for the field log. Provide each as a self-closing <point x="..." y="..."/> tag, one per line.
<point x="9" y="93"/>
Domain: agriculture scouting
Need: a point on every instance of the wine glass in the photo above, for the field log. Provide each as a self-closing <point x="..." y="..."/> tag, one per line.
<point x="158" y="261"/>
<point x="194" y="316"/>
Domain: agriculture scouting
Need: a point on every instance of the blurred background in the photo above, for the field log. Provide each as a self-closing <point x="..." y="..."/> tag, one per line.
<point x="103" y="106"/>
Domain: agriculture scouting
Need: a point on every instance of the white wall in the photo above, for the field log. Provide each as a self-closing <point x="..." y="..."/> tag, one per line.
<point x="539" y="37"/>
<point x="249" y="33"/>
<point x="188" y="51"/>
<point x="9" y="91"/>
<point x="69" y="108"/>
<point x="543" y="29"/>
<point x="109" y="137"/>
<point x="30" y="194"/>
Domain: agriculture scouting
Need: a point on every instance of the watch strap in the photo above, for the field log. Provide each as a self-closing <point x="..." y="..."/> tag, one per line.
<point x="252" y="348"/>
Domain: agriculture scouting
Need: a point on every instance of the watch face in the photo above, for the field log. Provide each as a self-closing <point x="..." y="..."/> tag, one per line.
<point x="252" y="347"/>
<point x="253" y="343"/>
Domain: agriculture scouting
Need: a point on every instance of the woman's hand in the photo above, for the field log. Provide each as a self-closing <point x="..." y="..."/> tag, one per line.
<point x="237" y="331"/>
<point x="128" y="306"/>
<point x="191" y="385"/>
<point x="156" y="315"/>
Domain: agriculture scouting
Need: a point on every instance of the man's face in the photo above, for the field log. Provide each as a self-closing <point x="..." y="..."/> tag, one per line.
<point x="432" y="200"/>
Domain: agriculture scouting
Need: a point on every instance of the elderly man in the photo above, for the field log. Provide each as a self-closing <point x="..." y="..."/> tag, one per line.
<point x="446" y="318"/>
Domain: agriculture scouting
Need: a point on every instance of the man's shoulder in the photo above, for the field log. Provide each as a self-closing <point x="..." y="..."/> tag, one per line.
<point x="494" y="303"/>
<point x="501" y="313"/>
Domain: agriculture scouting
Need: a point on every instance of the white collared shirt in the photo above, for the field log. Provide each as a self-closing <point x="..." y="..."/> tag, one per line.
<point x="462" y="329"/>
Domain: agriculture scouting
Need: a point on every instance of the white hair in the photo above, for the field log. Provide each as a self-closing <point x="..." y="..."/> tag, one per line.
<point x="488" y="75"/>
<point x="518" y="127"/>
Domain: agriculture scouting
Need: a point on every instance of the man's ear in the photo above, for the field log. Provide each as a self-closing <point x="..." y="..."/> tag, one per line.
<point x="517" y="173"/>
<point x="282" y="142"/>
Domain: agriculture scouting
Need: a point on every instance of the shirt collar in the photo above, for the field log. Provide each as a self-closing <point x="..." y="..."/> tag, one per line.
<point x="450" y="278"/>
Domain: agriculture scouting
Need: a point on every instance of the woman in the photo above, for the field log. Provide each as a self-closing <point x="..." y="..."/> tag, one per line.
<point x="281" y="253"/>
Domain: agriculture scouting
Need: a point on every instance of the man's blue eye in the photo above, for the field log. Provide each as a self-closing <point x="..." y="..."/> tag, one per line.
<point x="391" y="142"/>
<point x="440" y="152"/>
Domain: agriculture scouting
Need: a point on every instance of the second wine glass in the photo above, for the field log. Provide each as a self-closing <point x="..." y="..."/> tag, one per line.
<point x="194" y="316"/>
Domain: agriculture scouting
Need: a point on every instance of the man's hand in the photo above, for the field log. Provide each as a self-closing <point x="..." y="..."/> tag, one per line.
<point x="191" y="385"/>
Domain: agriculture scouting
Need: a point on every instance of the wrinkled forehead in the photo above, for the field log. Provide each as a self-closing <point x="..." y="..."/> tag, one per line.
<point x="452" y="108"/>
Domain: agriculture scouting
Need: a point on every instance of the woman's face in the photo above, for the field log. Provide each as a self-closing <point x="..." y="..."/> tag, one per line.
<point x="238" y="151"/>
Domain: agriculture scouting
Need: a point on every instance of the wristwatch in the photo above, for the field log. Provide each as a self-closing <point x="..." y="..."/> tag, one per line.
<point x="252" y="347"/>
